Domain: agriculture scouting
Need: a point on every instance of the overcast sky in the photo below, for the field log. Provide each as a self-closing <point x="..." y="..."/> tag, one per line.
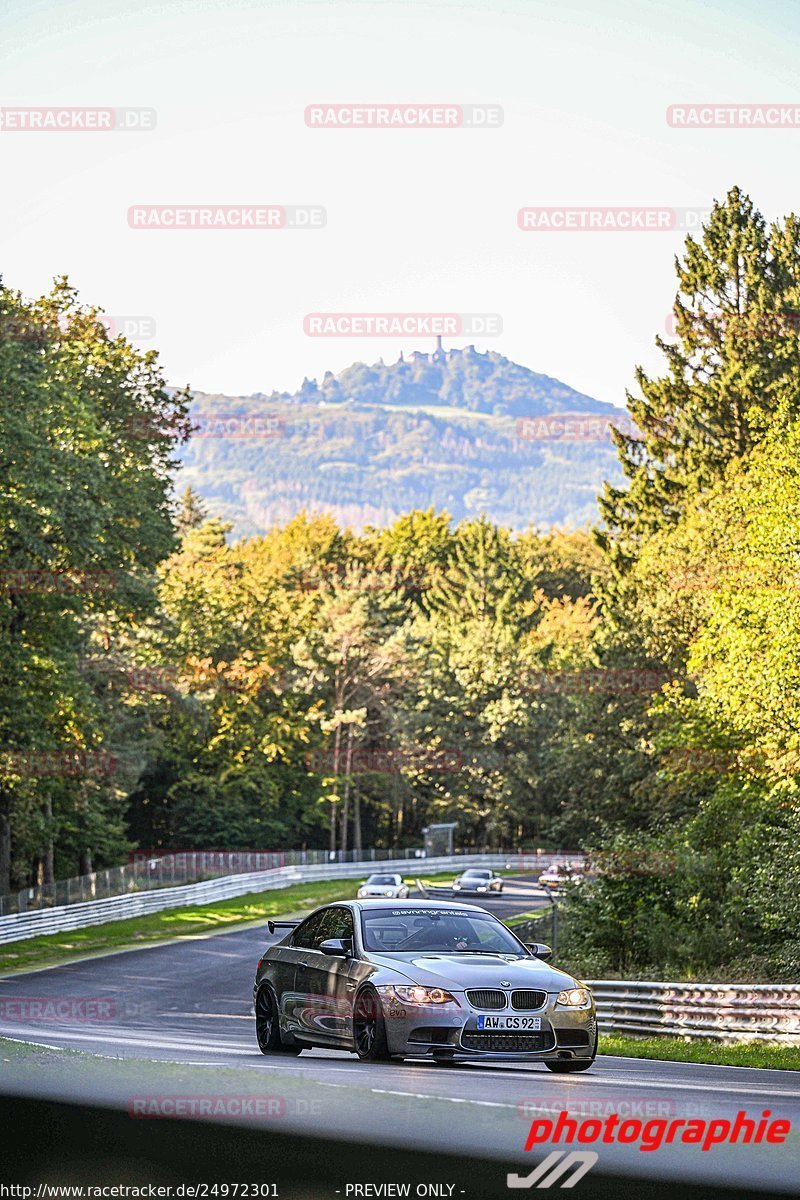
<point x="417" y="220"/>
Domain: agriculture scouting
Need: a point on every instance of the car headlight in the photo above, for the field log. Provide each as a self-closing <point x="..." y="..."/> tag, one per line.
<point x="419" y="995"/>
<point x="456" y="887"/>
<point x="481" y="887"/>
<point x="361" y="893"/>
<point x="389" y="892"/>
<point x="575" y="998"/>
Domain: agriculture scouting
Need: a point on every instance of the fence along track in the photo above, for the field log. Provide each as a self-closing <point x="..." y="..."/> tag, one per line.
<point x="119" y="908"/>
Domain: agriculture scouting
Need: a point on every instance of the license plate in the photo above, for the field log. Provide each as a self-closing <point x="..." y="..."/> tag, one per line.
<point x="485" y="1022"/>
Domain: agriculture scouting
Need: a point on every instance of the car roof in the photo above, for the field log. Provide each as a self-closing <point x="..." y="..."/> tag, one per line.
<point x="411" y="905"/>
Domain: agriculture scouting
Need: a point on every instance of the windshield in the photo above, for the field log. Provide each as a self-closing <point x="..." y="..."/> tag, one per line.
<point x="438" y="931"/>
<point x="477" y="874"/>
<point x="385" y="880"/>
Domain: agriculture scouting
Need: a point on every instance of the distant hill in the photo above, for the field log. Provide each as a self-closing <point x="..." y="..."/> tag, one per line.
<point x="456" y="429"/>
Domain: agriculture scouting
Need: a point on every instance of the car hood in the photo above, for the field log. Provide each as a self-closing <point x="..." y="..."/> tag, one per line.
<point x="460" y="971"/>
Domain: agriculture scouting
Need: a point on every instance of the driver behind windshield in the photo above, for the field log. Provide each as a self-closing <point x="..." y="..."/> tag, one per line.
<point x="444" y="933"/>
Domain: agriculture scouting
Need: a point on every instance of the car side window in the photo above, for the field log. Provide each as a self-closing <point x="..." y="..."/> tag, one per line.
<point x="338" y="923"/>
<point x="328" y="923"/>
<point x="306" y="936"/>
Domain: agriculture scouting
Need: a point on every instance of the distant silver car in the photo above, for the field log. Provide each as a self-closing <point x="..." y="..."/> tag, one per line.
<point x="415" y="978"/>
<point x="384" y="885"/>
<point x="478" y="879"/>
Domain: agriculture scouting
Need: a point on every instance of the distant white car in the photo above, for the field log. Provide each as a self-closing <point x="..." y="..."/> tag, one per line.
<point x="384" y="885"/>
<point x="557" y="875"/>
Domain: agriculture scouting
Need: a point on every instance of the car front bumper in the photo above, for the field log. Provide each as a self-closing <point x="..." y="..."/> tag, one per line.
<point x="443" y="1030"/>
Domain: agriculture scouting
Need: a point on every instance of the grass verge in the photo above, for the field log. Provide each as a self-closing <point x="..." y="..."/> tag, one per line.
<point x="668" y="1049"/>
<point x="190" y="921"/>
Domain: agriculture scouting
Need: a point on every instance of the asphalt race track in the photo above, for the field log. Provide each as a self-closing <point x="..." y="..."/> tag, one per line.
<point x="177" y="1019"/>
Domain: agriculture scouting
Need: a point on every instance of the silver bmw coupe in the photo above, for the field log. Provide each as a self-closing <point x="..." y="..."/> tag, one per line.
<point x="408" y="978"/>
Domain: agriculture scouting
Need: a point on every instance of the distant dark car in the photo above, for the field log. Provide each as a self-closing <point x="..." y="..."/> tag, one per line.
<point x="414" y="978"/>
<point x="478" y="879"/>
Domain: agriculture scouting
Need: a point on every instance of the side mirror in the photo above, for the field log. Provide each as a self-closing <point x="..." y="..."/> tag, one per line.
<point x="540" y="950"/>
<point x="336" y="947"/>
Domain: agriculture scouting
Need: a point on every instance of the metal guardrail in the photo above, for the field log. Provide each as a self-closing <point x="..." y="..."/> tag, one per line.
<point x="159" y="868"/>
<point x="150" y="869"/>
<point x="119" y="908"/>
<point x="725" y="1012"/>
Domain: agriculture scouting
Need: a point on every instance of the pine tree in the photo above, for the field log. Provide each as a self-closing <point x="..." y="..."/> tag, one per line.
<point x="734" y="365"/>
<point x="192" y="511"/>
<point x="483" y="581"/>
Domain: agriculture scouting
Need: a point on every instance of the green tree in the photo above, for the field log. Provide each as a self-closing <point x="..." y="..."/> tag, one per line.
<point x="191" y="511"/>
<point x="735" y="365"/>
<point x="84" y="520"/>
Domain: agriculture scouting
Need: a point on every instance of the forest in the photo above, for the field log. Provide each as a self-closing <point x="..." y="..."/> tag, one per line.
<point x="631" y="689"/>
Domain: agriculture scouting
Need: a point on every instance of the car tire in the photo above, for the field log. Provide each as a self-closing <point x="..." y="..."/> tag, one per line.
<point x="369" y="1027"/>
<point x="568" y="1066"/>
<point x="268" y="1033"/>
